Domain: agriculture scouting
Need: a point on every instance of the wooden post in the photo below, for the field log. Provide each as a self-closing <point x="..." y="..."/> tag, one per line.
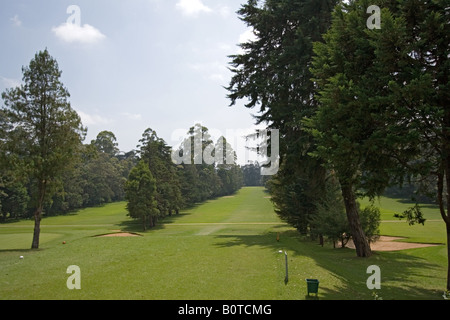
<point x="286" y="279"/>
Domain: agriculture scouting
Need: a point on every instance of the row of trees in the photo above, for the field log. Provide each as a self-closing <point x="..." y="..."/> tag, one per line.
<point x="158" y="187"/>
<point x="95" y="179"/>
<point x="98" y="177"/>
<point x="252" y="175"/>
<point x="46" y="168"/>
<point x="368" y="107"/>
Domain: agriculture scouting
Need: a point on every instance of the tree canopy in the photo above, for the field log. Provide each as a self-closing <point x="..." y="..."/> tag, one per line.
<point x="273" y="74"/>
<point x="368" y="104"/>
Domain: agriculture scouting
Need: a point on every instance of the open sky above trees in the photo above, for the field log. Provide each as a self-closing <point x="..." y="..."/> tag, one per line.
<point x="133" y="65"/>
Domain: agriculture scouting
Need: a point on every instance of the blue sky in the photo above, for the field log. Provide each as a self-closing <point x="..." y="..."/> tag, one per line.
<point x="132" y="65"/>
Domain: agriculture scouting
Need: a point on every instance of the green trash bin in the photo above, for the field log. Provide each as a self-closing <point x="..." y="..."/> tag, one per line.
<point x="313" y="286"/>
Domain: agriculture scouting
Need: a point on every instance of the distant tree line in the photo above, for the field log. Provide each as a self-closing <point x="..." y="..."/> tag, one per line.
<point x="103" y="174"/>
<point x="46" y="169"/>
<point x="158" y="187"/>
<point x="95" y="179"/>
<point x="252" y="174"/>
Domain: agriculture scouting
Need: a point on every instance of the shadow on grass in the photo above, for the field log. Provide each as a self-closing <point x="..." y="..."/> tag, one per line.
<point x="21" y="250"/>
<point x="404" y="276"/>
<point x="136" y="224"/>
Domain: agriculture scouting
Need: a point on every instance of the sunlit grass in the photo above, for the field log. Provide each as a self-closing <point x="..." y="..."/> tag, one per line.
<point x="224" y="249"/>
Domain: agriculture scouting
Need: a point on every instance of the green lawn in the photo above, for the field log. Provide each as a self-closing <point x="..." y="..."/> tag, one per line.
<point x="224" y="249"/>
<point x="432" y="232"/>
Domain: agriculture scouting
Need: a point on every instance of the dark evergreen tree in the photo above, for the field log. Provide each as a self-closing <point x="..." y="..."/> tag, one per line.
<point x="229" y="173"/>
<point x="200" y="181"/>
<point x="384" y="96"/>
<point x="273" y="73"/>
<point x="252" y="174"/>
<point x="157" y="154"/>
<point x="140" y="191"/>
<point x="413" y="59"/>
<point x="347" y="126"/>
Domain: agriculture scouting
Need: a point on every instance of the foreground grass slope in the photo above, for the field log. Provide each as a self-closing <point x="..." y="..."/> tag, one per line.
<point x="223" y="249"/>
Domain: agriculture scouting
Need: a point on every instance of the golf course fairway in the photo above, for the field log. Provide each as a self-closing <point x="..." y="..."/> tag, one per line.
<point x="230" y="248"/>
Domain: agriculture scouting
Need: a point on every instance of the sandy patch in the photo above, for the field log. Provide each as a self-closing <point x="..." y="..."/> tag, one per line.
<point x="119" y="234"/>
<point x="390" y="244"/>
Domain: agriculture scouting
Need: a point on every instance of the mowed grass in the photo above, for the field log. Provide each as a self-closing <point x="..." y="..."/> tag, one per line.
<point x="224" y="249"/>
<point x="433" y="231"/>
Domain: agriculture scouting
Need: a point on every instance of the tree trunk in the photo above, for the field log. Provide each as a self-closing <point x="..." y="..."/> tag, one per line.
<point x="444" y="177"/>
<point x="37" y="228"/>
<point x="151" y="222"/>
<point x="446" y="215"/>
<point x="38" y="213"/>
<point x="144" y="223"/>
<point x="359" y="238"/>
<point x="448" y="256"/>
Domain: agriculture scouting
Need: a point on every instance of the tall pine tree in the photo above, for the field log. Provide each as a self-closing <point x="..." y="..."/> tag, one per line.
<point x="273" y="73"/>
<point x="140" y="190"/>
<point x="157" y="154"/>
<point x="44" y="132"/>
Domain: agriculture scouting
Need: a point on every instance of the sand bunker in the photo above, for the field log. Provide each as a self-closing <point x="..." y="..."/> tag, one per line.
<point x="389" y="244"/>
<point x="119" y="234"/>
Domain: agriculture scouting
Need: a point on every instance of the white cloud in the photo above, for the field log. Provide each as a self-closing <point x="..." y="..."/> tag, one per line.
<point x="16" y="21"/>
<point x="71" y="32"/>
<point x="224" y="46"/>
<point x="93" y="119"/>
<point x="247" y="36"/>
<point x="132" y="116"/>
<point x="9" y="83"/>
<point x="219" y="77"/>
<point x="224" y="11"/>
<point x="192" y="7"/>
<point x="214" y="70"/>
